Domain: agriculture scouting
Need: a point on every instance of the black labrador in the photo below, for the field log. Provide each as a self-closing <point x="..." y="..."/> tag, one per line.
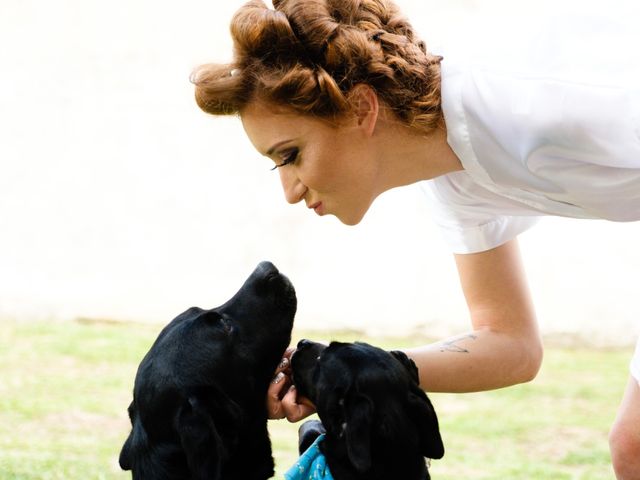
<point x="379" y="423"/>
<point x="199" y="399"/>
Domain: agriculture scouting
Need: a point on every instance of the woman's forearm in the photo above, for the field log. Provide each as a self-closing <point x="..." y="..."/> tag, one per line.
<point x="477" y="361"/>
<point x="504" y="346"/>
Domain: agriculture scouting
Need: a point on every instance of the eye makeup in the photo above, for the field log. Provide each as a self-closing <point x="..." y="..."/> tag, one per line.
<point x="289" y="157"/>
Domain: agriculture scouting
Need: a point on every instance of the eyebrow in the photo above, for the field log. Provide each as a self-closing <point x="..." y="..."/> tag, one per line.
<point x="274" y="147"/>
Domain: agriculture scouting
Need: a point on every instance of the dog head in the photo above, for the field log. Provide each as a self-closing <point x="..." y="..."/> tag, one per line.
<point x="204" y="382"/>
<point x="369" y="402"/>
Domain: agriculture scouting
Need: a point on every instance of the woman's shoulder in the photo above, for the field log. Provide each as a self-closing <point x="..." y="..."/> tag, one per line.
<point x="554" y="93"/>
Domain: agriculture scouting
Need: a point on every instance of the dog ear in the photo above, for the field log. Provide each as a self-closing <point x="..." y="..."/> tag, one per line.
<point x="422" y="411"/>
<point x="357" y="430"/>
<point x="408" y="364"/>
<point x="134" y="454"/>
<point x="425" y="417"/>
<point x="201" y="442"/>
<point x="125" y="459"/>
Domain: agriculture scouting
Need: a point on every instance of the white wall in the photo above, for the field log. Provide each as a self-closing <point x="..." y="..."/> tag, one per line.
<point x="120" y="199"/>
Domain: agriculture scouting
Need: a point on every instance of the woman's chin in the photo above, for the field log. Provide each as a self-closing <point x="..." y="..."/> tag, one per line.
<point x="352" y="218"/>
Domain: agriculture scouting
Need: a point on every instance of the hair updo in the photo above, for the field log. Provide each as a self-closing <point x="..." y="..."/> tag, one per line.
<point x="308" y="54"/>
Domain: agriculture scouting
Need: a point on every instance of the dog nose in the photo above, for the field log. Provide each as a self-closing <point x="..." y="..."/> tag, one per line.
<point x="304" y="343"/>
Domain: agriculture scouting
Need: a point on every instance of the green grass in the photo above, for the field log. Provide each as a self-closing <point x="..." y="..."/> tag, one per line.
<point x="65" y="387"/>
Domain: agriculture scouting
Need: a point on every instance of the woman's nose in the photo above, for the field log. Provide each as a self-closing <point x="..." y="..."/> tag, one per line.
<point x="294" y="189"/>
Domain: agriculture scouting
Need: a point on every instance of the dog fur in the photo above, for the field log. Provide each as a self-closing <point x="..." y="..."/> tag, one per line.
<point x="199" y="408"/>
<point x="379" y="423"/>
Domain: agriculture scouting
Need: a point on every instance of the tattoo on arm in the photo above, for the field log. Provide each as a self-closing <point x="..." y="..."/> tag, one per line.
<point x="451" y="345"/>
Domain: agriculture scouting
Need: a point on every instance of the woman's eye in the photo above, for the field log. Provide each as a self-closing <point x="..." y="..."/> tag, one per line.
<point x="289" y="157"/>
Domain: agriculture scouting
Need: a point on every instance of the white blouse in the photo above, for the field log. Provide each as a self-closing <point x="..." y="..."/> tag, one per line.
<point x="547" y="125"/>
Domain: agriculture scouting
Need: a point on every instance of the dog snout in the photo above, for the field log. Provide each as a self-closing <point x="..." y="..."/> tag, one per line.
<point x="264" y="274"/>
<point x="266" y="268"/>
<point x="304" y="343"/>
<point x="310" y="349"/>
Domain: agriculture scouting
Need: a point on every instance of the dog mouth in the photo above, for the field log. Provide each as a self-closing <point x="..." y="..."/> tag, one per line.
<point x="279" y="283"/>
<point x="273" y="280"/>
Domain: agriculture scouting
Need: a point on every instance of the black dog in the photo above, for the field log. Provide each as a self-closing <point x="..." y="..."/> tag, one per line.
<point x="379" y="423"/>
<point x="199" y="400"/>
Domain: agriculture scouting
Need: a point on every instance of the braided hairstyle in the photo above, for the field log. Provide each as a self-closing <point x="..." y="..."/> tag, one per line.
<point x="308" y="54"/>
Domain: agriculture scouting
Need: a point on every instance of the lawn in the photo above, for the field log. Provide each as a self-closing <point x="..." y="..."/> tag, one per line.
<point x="65" y="387"/>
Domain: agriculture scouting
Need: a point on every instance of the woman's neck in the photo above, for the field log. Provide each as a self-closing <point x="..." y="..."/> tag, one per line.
<point x="408" y="157"/>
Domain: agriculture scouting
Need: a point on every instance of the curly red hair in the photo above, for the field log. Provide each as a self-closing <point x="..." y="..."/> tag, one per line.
<point x="307" y="55"/>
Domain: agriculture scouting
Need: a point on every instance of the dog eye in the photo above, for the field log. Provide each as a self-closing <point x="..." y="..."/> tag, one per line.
<point x="215" y="318"/>
<point x="226" y="325"/>
<point x="211" y="316"/>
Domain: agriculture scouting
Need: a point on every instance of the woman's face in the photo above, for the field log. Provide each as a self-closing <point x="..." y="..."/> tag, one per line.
<point x="331" y="168"/>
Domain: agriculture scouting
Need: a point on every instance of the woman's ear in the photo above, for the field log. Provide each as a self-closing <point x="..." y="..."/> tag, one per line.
<point x="364" y="101"/>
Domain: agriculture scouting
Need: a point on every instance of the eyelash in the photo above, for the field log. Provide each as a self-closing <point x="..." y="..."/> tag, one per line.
<point x="290" y="158"/>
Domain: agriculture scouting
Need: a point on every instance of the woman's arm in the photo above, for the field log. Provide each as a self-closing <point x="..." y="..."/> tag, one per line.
<point x="504" y="347"/>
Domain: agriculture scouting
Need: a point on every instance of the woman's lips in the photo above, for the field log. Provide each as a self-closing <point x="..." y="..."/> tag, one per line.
<point x="317" y="207"/>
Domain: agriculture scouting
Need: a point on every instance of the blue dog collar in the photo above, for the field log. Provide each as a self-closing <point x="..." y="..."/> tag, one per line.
<point x="311" y="465"/>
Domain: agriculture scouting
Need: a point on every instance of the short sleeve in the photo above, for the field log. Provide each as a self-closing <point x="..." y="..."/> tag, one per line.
<point x="472" y="218"/>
